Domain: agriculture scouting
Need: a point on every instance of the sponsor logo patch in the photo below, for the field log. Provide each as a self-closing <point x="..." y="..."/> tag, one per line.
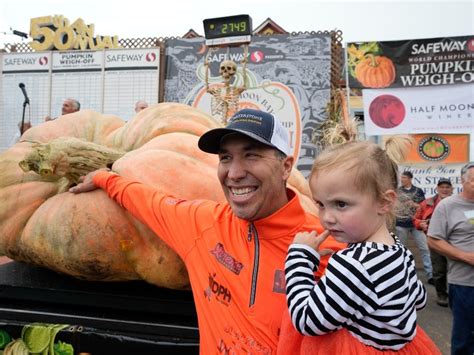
<point x="279" y="281"/>
<point x="225" y="259"/>
<point x="221" y="293"/>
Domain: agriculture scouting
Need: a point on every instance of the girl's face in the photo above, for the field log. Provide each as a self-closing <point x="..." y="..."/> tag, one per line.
<point x="350" y="215"/>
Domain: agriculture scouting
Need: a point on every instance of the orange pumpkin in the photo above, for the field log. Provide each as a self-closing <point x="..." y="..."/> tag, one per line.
<point x="375" y="71"/>
<point x="88" y="235"/>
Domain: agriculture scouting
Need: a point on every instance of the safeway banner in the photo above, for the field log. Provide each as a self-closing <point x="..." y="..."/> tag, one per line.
<point x="446" y="109"/>
<point x="411" y="63"/>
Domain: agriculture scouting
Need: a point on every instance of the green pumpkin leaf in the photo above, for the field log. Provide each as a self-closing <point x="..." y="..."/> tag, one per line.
<point x="370" y="47"/>
<point x="352" y="71"/>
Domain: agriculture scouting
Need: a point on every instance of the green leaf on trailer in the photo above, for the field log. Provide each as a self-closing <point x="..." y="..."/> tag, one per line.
<point x="61" y="348"/>
<point x="5" y="338"/>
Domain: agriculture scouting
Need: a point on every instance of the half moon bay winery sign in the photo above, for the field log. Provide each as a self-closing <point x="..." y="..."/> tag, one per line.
<point x="56" y="32"/>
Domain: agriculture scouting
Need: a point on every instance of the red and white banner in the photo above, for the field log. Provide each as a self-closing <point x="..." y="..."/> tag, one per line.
<point x="443" y="109"/>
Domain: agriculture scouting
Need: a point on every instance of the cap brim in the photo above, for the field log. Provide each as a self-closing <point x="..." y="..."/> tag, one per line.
<point x="210" y="142"/>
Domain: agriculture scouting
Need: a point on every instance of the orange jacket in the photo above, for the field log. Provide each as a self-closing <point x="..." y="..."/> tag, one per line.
<point x="236" y="268"/>
<point x="425" y="211"/>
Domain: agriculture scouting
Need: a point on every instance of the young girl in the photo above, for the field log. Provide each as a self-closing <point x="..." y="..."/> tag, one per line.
<point x="367" y="300"/>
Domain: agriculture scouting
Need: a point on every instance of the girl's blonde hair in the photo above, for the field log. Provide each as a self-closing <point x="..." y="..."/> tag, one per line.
<point x="374" y="168"/>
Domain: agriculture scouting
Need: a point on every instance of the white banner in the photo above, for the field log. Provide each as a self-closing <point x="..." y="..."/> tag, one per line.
<point x="426" y="176"/>
<point x="443" y="109"/>
<point x="77" y="60"/>
<point x="18" y="62"/>
<point x="132" y="58"/>
<point x="108" y="81"/>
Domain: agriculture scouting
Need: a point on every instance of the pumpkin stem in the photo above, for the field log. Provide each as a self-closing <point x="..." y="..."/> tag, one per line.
<point x="373" y="61"/>
<point x="69" y="158"/>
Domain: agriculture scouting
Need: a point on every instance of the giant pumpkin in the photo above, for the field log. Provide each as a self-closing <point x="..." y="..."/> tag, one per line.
<point x="87" y="235"/>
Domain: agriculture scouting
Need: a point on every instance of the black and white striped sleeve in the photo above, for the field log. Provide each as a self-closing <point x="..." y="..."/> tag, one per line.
<point x="344" y="294"/>
<point x="422" y="297"/>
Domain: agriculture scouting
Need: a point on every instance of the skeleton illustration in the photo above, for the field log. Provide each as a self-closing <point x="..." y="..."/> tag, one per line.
<point x="225" y="100"/>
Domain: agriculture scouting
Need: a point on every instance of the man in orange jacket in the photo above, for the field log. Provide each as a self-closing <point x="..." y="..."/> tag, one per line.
<point x="235" y="251"/>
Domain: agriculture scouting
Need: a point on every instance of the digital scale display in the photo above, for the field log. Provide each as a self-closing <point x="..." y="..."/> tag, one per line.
<point x="228" y="30"/>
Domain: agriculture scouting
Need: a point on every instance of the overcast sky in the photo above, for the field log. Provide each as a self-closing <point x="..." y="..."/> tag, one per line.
<point x="378" y="20"/>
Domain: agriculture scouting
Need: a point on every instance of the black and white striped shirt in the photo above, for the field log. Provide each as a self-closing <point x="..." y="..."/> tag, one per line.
<point x="369" y="288"/>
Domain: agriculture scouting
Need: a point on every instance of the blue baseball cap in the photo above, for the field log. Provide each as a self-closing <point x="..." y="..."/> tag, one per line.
<point x="258" y="125"/>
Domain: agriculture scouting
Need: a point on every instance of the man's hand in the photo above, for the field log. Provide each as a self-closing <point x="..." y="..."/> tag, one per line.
<point x="87" y="183"/>
<point x="313" y="240"/>
<point x="468" y="258"/>
<point x="424" y="225"/>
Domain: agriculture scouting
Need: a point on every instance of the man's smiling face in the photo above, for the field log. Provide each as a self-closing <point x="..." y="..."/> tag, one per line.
<point x="253" y="176"/>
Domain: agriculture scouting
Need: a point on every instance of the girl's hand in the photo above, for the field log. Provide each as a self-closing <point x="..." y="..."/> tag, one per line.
<point x="313" y="240"/>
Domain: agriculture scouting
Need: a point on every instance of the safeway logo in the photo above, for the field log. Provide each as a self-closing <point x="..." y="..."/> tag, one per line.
<point x="257" y="56"/>
<point x="43" y="60"/>
<point x="150" y="57"/>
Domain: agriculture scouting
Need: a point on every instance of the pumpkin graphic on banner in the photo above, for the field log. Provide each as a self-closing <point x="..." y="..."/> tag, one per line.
<point x="369" y="67"/>
<point x="433" y="148"/>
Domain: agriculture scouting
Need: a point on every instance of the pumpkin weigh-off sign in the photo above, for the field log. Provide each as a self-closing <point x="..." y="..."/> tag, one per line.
<point x="411" y="63"/>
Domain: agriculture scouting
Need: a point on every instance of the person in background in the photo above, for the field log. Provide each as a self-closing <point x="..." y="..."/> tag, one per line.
<point x="366" y="302"/>
<point x="234" y="251"/>
<point x="69" y="106"/>
<point x="451" y="233"/>
<point x="409" y="198"/>
<point x="421" y="221"/>
<point x="140" y="105"/>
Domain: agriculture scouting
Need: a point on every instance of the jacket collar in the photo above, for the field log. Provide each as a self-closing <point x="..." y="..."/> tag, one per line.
<point x="432" y="200"/>
<point x="287" y="220"/>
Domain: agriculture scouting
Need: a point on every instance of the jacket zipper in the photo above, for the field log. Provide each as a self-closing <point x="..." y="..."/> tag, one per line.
<point x="253" y="290"/>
